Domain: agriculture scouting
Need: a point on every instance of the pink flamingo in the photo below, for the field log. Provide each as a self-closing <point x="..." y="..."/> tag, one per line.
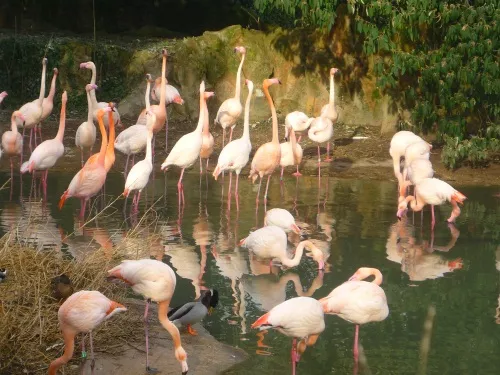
<point x="95" y="104"/>
<point x="48" y="102"/>
<point x="155" y="281"/>
<point x="86" y="132"/>
<point x="207" y="144"/>
<point x="268" y="155"/>
<point x="416" y="171"/>
<point x="83" y="311"/>
<point x="187" y="149"/>
<point x="171" y="96"/>
<point x="417" y="150"/>
<point x="329" y="111"/>
<point x="109" y="159"/>
<point x="230" y="110"/>
<point x="281" y="218"/>
<point x="12" y="141"/>
<point x="434" y="192"/>
<point x="298" y="121"/>
<point x="3" y="95"/>
<point x="90" y="179"/>
<point x="32" y="111"/>
<point x="358" y="301"/>
<point x="47" y="153"/>
<point x="291" y="154"/>
<point x="301" y="318"/>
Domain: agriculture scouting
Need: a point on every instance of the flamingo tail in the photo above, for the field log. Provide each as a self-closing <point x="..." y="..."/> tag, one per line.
<point x="262" y="321"/>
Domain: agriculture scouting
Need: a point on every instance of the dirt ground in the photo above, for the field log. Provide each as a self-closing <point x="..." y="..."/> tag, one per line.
<point x="206" y="355"/>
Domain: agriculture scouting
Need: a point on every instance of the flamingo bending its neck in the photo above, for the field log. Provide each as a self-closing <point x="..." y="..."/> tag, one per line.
<point x="298" y="121"/>
<point x="268" y="156"/>
<point x="155" y="281"/>
<point x="281" y="218"/>
<point x="230" y="110"/>
<point x="82" y="312"/>
<point x="301" y="318"/>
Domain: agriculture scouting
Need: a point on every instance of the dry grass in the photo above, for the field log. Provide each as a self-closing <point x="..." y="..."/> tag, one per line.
<point x="28" y="312"/>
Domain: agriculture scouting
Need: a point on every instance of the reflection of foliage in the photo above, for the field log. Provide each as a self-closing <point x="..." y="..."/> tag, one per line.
<point x="440" y="57"/>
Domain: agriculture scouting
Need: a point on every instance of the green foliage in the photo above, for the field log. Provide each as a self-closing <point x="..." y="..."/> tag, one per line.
<point x="440" y="57"/>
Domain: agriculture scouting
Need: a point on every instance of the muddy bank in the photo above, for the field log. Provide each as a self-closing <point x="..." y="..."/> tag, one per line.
<point x="206" y="355"/>
<point x="353" y="158"/>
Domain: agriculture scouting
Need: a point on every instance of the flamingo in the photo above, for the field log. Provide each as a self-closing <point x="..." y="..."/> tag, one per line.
<point x="414" y="151"/>
<point x="320" y="131"/>
<point x="291" y="154"/>
<point x="90" y="179"/>
<point x="47" y="153"/>
<point x="48" y="102"/>
<point x="32" y="111"/>
<point x="416" y="171"/>
<point x="159" y="109"/>
<point x="83" y="311"/>
<point x="270" y="242"/>
<point x="329" y="111"/>
<point x="301" y="318"/>
<point x="12" y="141"/>
<point x="155" y="281"/>
<point x="230" y="110"/>
<point x="281" y="218"/>
<point x="109" y="159"/>
<point x="358" y="301"/>
<point x="434" y="192"/>
<point x="235" y="155"/>
<point x="207" y="143"/>
<point x="138" y="177"/>
<point x="268" y="155"/>
<point x="86" y="132"/>
<point x="133" y="140"/>
<point x="171" y="96"/>
<point x="187" y="149"/>
<point x="298" y="121"/>
<point x="399" y="142"/>
<point x="3" y="95"/>
<point x="99" y="105"/>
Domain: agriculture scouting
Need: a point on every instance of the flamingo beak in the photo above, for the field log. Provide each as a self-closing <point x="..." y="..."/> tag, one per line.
<point x="400" y="213"/>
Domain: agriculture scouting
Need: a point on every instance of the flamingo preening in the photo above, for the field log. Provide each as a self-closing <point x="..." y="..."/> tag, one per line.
<point x="298" y="121"/>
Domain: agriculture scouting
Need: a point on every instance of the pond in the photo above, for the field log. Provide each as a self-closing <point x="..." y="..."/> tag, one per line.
<point x="455" y="270"/>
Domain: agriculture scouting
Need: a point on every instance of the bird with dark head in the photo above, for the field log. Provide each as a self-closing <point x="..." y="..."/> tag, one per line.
<point x="194" y="312"/>
<point x="61" y="287"/>
<point x="3" y="274"/>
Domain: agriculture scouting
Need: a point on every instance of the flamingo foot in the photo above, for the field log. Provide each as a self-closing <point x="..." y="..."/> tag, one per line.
<point x="328" y="159"/>
<point x="191" y="330"/>
<point x="297" y="174"/>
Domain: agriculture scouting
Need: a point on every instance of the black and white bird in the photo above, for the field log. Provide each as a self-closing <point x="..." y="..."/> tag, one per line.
<point x="194" y="312"/>
<point x="3" y="274"/>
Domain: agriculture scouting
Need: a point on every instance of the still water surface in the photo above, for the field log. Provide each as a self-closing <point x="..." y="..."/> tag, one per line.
<point x="457" y="270"/>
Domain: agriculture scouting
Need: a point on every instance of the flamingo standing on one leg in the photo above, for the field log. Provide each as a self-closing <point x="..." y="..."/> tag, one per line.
<point x="268" y="156"/>
<point x="434" y="192"/>
<point x="86" y="132"/>
<point x="207" y="145"/>
<point x="187" y="149"/>
<point x="301" y="318"/>
<point x="32" y="111"/>
<point x="321" y="130"/>
<point x="90" y="179"/>
<point x="138" y="177"/>
<point x="47" y="153"/>
<point x="298" y="121"/>
<point x="230" y="110"/>
<point x="155" y="281"/>
<point x="235" y="155"/>
<point x="291" y="154"/>
<point x="48" y="102"/>
<point x="12" y="141"/>
<point x="358" y="301"/>
<point x="133" y="140"/>
<point x="95" y="104"/>
<point x="82" y="312"/>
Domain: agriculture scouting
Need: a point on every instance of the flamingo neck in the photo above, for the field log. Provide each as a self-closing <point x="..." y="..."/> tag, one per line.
<point x="206" y="131"/>
<point x="273" y="114"/>
<point x="42" y="85"/>
<point x="415" y="206"/>
<point x="378" y="276"/>
<point x="62" y="123"/>
<point x="104" y="143"/>
<point x="202" y="113"/>
<point x="148" y="90"/>
<point x="69" y="348"/>
<point x="237" y="93"/>
<point x="163" y="81"/>
<point x="89" y="105"/>
<point x="332" y="91"/>
<point x="13" y="125"/>
<point x="293" y="142"/>
<point x="246" y="118"/>
<point x="296" y="258"/>
<point x="149" y="151"/>
<point x="171" y="328"/>
<point x="52" y="91"/>
<point x="92" y="82"/>
<point x="111" y="142"/>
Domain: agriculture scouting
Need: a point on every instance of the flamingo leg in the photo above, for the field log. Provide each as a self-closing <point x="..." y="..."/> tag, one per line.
<point x="300" y="137"/>
<point x="146" y="332"/>
<point x="267" y="187"/>
<point x="258" y="193"/>
<point x="231" y="133"/>
<point x="11" y="172"/>
<point x="31" y="135"/>
<point x="236" y="194"/>
<point x="433" y="221"/>
<point x="34" y="129"/>
<point x="281" y="175"/>
<point x="180" y="188"/>
<point x="297" y="174"/>
<point x="201" y="167"/>
<point x="206" y="167"/>
<point x="81" y="155"/>
<point x="223" y="137"/>
<point x="294" y="355"/>
<point x="84" y="353"/>
<point x="356" y="352"/>
<point x="328" y="158"/>
<point x="126" y="166"/>
<point x="92" y="358"/>
<point x="137" y="201"/>
<point x="229" y="191"/>
<point x="40" y="132"/>
<point x="46" y="176"/>
<point x="166" y="129"/>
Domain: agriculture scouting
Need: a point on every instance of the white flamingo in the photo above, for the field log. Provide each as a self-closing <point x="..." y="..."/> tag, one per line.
<point x="235" y="155"/>
<point x="301" y="318"/>
<point x="48" y="102"/>
<point x="417" y="150"/>
<point x="138" y="177"/>
<point x="320" y="131"/>
<point x="86" y="132"/>
<point x="230" y="110"/>
<point x="399" y="142"/>
<point x="187" y="149"/>
<point x="291" y="154"/>
<point x="207" y="143"/>
<point x="298" y="121"/>
<point x="329" y="111"/>
<point x="281" y="218"/>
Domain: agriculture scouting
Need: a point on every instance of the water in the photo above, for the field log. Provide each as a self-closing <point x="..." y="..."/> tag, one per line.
<point x="354" y="220"/>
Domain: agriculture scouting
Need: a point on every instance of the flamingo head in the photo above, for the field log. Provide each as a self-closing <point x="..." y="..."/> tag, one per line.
<point x="3" y="94"/>
<point x="208" y="94"/>
<point x="271" y="81"/>
<point x="164" y="52"/>
<point x="55" y="71"/>
<point x="91" y="87"/>
<point x="202" y="87"/>
<point x="333" y="71"/>
<point x="179" y="100"/>
<point x="402" y="208"/>
<point x="112" y="107"/>
<point x="19" y="115"/>
<point x="64" y="97"/>
<point x="240" y="49"/>
<point x="87" y="65"/>
<point x="44" y="61"/>
<point x="149" y="78"/>
<point x="362" y="273"/>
